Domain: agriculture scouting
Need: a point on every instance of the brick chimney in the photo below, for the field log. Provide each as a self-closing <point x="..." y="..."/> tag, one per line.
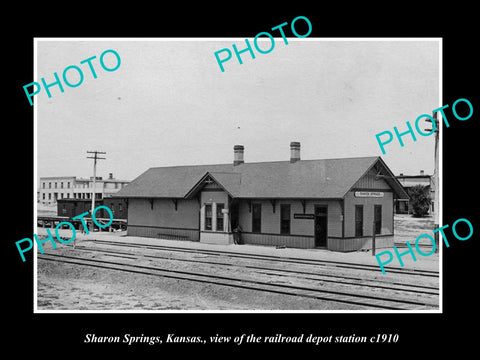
<point x="238" y="155"/>
<point x="294" y="151"/>
<point x="110" y="175"/>
<point x="422" y="172"/>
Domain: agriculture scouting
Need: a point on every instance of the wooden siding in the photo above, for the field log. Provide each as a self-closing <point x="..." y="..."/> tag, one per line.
<point x="302" y="242"/>
<point x="211" y="186"/>
<point x="368" y="206"/>
<point x="162" y="213"/>
<point x="354" y="244"/>
<point x="219" y="197"/>
<point x="305" y="227"/>
<point x="368" y="181"/>
<point x="115" y="204"/>
<point x="216" y="237"/>
<point x="163" y="232"/>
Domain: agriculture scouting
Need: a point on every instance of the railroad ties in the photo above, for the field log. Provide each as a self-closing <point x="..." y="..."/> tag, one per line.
<point x="354" y="284"/>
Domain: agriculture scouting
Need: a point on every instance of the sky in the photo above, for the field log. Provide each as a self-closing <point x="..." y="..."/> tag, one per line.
<point x="169" y="103"/>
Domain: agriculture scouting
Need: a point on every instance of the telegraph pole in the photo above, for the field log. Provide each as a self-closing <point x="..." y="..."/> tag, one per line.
<point x="436" y="179"/>
<point x="95" y="157"/>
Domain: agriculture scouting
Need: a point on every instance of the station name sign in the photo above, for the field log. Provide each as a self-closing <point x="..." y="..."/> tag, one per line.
<point x="375" y="194"/>
<point x="304" y="216"/>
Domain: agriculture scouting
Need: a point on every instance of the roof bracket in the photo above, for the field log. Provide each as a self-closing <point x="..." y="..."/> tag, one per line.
<point x="175" y="202"/>
<point x="303" y="205"/>
<point x="151" y="203"/>
<point x="274" y="203"/>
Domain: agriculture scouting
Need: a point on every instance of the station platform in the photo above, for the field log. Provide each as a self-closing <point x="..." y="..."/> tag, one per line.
<point x="430" y="263"/>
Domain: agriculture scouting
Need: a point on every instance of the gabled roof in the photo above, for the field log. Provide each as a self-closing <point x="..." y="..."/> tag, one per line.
<point x="327" y="178"/>
<point x="383" y="172"/>
<point x="228" y="181"/>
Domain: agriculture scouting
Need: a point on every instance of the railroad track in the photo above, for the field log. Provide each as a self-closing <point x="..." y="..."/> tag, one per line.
<point x="282" y="259"/>
<point x="352" y="298"/>
<point x="307" y="275"/>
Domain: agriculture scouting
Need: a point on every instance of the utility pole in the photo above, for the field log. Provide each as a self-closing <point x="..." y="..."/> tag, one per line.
<point x="373" y="239"/>
<point x="435" y="181"/>
<point x="95" y="157"/>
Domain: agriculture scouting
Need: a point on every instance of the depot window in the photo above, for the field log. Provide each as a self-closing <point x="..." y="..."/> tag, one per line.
<point x="358" y="220"/>
<point x="377" y="216"/>
<point x="285" y="219"/>
<point x="220" y="207"/>
<point x="256" y="218"/>
<point x="208" y="216"/>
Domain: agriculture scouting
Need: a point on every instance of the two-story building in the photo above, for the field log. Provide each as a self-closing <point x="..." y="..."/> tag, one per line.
<point x="51" y="189"/>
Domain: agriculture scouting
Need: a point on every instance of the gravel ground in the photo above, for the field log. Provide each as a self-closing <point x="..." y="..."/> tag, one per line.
<point x="71" y="287"/>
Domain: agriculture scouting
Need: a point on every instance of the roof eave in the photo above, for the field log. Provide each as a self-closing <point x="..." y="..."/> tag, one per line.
<point x="197" y="187"/>
<point x="397" y="187"/>
<point x="392" y="181"/>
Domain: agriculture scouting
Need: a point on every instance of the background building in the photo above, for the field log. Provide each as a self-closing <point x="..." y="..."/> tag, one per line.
<point x="55" y="188"/>
<point x="402" y="206"/>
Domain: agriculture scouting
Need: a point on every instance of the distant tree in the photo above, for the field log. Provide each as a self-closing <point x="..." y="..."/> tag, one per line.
<point x="419" y="200"/>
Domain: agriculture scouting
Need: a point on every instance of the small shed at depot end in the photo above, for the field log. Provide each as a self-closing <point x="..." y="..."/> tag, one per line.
<point x="117" y="205"/>
<point x="328" y="203"/>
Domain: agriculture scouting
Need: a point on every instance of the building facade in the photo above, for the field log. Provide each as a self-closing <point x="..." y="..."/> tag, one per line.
<point x="403" y="206"/>
<point x="333" y="203"/>
<point x="56" y="188"/>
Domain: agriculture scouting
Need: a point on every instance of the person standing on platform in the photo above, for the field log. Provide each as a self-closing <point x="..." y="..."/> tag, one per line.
<point x="237" y="235"/>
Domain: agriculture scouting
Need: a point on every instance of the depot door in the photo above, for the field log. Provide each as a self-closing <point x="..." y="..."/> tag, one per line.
<point x="321" y="216"/>
<point x="234" y="222"/>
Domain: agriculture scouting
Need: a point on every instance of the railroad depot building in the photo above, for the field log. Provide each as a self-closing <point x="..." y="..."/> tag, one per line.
<point x="330" y="203"/>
